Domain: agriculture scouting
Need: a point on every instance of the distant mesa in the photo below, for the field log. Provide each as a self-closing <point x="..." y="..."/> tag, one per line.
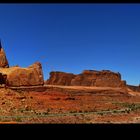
<point x="16" y="76"/>
<point x="104" y="78"/>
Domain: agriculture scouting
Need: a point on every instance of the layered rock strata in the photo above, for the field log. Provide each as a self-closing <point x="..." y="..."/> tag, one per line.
<point x="104" y="78"/>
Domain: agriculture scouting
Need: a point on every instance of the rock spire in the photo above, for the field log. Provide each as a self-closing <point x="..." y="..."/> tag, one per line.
<point x="3" y="59"/>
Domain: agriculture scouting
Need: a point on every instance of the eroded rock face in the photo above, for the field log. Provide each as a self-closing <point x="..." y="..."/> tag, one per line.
<point x="103" y="78"/>
<point x="134" y="88"/>
<point x="60" y="78"/>
<point x="3" y="78"/>
<point x="17" y="76"/>
<point x="3" y="59"/>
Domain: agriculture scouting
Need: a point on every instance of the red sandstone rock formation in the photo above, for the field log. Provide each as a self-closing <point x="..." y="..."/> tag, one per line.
<point x="3" y="59"/>
<point x="60" y="78"/>
<point x="103" y="78"/>
<point x="17" y="76"/>
<point x="33" y="76"/>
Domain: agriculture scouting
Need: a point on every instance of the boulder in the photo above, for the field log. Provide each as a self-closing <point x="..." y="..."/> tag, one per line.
<point x="17" y="76"/>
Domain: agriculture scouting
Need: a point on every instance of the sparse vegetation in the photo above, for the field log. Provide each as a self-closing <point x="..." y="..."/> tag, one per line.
<point x="41" y="108"/>
<point x="18" y="119"/>
<point x="129" y="106"/>
<point x="80" y="111"/>
<point x="100" y="113"/>
<point x="73" y="111"/>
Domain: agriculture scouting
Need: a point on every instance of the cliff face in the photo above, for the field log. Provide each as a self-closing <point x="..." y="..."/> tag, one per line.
<point x="60" y="78"/>
<point x="17" y="76"/>
<point x="103" y="78"/>
<point x="98" y="78"/>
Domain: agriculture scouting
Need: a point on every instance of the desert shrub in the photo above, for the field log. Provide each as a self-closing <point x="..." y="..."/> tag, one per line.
<point x="70" y="98"/>
<point x="80" y="111"/>
<point x="132" y="106"/>
<point x="73" y="111"/>
<point x="114" y="111"/>
<point x="18" y="119"/>
<point x="18" y="90"/>
<point x="101" y="113"/>
<point x="86" y="111"/>
<point x="44" y="113"/>
<point x="108" y="121"/>
<point x="128" y="111"/>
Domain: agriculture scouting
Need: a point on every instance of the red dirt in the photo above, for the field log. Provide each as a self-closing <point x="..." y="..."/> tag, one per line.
<point x="67" y="105"/>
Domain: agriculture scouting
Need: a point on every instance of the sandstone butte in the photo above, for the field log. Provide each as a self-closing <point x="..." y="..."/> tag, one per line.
<point x="104" y="78"/>
<point x="16" y="76"/>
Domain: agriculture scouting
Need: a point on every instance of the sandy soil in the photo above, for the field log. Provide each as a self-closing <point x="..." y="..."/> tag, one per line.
<point x="61" y="104"/>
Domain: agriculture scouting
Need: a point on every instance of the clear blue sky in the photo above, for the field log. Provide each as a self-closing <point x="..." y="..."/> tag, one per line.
<point x="73" y="37"/>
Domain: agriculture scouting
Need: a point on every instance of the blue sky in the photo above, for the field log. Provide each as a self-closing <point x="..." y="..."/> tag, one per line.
<point x="73" y="37"/>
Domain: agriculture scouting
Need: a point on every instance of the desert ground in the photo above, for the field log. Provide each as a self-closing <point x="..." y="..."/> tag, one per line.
<point x="69" y="105"/>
